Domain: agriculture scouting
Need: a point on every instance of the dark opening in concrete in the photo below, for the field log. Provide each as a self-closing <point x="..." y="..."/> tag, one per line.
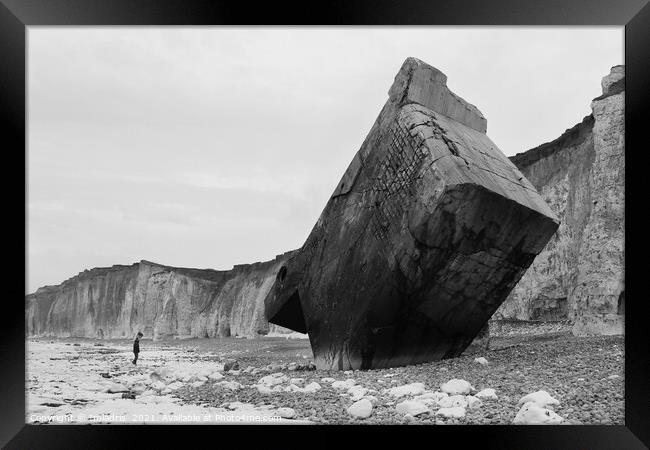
<point x="290" y="314"/>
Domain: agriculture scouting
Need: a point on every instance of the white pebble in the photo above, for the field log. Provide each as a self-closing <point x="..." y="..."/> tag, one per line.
<point x="374" y="400"/>
<point x="456" y="412"/>
<point x="297" y="381"/>
<point x="453" y="401"/>
<point x="357" y="392"/>
<point x="533" y="414"/>
<point x="487" y="393"/>
<point x="431" y="398"/>
<point x="456" y="386"/>
<point x="541" y="398"/>
<point x="473" y="402"/>
<point x="361" y="409"/>
<point x="312" y="387"/>
<point x="286" y="413"/>
<point x="407" y="389"/>
<point x="412" y="407"/>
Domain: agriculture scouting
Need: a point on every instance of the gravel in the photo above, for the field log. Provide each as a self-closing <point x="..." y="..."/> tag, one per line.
<point x="575" y="370"/>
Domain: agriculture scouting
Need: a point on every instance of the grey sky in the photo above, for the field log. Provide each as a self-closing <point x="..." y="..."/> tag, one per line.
<point x="207" y="147"/>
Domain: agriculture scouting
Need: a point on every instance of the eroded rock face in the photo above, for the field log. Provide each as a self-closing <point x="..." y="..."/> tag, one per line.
<point x="580" y="274"/>
<point x="158" y="300"/>
<point x="425" y="235"/>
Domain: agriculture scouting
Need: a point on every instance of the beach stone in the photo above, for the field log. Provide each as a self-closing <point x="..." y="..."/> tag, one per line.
<point x="408" y="419"/>
<point x="456" y="386"/>
<point x="374" y="400"/>
<point x="406" y="389"/>
<point x="473" y="402"/>
<point x="453" y="401"/>
<point x="541" y="398"/>
<point x="453" y="412"/>
<point x="481" y="360"/>
<point x="357" y="392"/>
<point x="361" y="409"/>
<point x="487" y="394"/>
<point x="312" y="387"/>
<point x="430" y="398"/>
<point x="412" y="407"/>
<point x="297" y="381"/>
<point x="286" y="413"/>
<point x="532" y="413"/>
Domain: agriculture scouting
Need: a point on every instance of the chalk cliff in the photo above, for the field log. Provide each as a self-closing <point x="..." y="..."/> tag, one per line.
<point x="160" y="301"/>
<point x="580" y="275"/>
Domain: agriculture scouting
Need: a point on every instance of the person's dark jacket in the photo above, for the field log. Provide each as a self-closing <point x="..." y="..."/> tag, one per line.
<point x="136" y="346"/>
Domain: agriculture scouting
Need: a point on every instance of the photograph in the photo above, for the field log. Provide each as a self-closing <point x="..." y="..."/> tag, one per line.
<point x="385" y="225"/>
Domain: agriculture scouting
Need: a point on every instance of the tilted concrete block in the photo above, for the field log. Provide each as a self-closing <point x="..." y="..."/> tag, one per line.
<point x="425" y="235"/>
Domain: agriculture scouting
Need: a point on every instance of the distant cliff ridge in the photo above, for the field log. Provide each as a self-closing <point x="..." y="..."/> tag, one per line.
<point x="159" y="300"/>
<point x="580" y="275"/>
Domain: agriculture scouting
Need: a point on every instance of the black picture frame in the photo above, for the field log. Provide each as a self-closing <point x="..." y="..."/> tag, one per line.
<point x="16" y="15"/>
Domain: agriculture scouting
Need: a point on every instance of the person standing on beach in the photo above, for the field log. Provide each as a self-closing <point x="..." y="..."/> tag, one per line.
<point x="136" y="347"/>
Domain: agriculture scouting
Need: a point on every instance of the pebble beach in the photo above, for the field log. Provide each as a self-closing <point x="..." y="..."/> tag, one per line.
<point x="530" y="374"/>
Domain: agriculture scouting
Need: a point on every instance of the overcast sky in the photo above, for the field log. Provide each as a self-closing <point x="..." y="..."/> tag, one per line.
<point x="207" y="147"/>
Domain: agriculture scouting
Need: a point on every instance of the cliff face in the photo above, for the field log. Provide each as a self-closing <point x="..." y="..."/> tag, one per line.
<point x="581" y="175"/>
<point x="158" y="300"/>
